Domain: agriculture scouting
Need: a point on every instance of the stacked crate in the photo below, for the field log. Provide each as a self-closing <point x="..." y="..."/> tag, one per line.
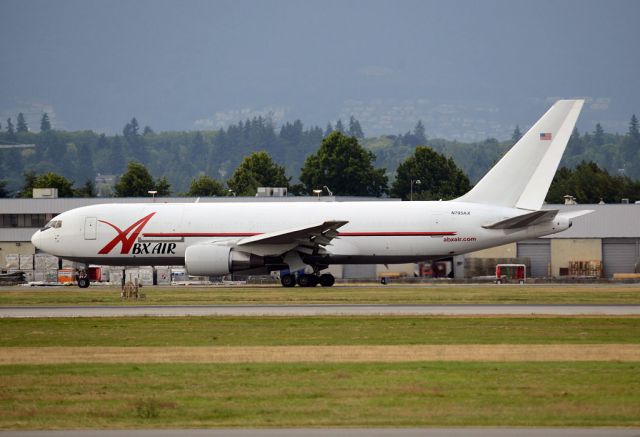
<point x="46" y="267"/>
<point x="591" y="268"/>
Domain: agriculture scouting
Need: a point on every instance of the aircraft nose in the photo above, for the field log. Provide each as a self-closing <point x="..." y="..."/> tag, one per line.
<point x="36" y="239"/>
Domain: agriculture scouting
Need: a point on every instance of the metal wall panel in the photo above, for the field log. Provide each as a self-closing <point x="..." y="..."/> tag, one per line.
<point x="619" y="255"/>
<point x="359" y="271"/>
<point x="539" y="252"/>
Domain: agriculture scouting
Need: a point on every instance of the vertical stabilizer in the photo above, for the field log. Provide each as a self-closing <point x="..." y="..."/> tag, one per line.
<point x="522" y="177"/>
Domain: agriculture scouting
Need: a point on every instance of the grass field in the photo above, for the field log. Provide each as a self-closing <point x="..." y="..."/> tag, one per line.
<point x="295" y="331"/>
<point x="367" y="371"/>
<point x="319" y="395"/>
<point x="369" y="294"/>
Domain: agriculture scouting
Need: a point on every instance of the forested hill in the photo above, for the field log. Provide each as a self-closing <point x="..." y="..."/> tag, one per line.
<point x="181" y="156"/>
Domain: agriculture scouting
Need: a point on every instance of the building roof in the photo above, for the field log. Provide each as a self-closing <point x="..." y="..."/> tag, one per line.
<point x="606" y="221"/>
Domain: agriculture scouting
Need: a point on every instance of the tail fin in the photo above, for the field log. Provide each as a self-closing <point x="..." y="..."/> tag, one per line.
<point x="522" y="177"/>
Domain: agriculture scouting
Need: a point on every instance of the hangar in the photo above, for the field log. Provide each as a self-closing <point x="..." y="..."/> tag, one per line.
<point x="608" y="238"/>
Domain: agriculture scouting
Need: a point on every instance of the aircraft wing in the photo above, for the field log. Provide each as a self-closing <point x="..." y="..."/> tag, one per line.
<point x="311" y="236"/>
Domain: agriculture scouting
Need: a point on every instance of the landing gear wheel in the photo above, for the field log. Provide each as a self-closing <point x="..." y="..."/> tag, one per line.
<point x="83" y="282"/>
<point x="288" y="281"/>
<point x="327" y="280"/>
<point x="307" y="280"/>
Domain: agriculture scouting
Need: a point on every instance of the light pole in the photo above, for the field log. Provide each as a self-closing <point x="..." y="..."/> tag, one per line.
<point x="153" y="193"/>
<point x="417" y="182"/>
<point x="317" y="192"/>
<point x="232" y="192"/>
<point x="328" y="190"/>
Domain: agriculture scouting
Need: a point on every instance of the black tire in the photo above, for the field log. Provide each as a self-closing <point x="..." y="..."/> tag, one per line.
<point x="83" y="282"/>
<point x="307" y="280"/>
<point x="288" y="281"/>
<point x="327" y="280"/>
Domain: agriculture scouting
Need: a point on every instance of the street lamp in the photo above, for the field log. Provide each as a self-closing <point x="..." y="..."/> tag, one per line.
<point x="232" y="192"/>
<point x="153" y="193"/>
<point x="317" y="192"/>
<point x="417" y="182"/>
<point x="328" y="190"/>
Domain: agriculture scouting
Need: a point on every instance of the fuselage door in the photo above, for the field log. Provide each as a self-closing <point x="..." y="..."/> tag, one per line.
<point x="90" y="225"/>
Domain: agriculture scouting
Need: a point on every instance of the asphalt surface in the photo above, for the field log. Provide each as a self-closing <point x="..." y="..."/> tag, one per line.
<point x="316" y="310"/>
<point x="348" y="432"/>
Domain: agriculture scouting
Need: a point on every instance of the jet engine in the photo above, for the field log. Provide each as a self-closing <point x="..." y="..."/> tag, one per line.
<point x="214" y="260"/>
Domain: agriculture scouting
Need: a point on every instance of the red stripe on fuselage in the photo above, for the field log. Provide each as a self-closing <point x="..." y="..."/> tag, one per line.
<point x="341" y="234"/>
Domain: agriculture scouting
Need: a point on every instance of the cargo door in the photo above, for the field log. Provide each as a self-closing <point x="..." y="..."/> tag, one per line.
<point x="90" y="225"/>
<point x="619" y="255"/>
<point x="539" y="253"/>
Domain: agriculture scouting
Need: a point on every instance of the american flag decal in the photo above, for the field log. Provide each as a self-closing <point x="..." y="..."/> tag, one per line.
<point x="545" y="136"/>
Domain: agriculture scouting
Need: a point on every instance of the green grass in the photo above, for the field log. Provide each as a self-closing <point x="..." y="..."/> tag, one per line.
<point x="368" y="294"/>
<point x="273" y="331"/>
<point x="324" y="395"/>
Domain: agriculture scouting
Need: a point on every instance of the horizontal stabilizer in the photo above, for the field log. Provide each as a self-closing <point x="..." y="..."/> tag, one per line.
<point x="522" y="221"/>
<point x="573" y="214"/>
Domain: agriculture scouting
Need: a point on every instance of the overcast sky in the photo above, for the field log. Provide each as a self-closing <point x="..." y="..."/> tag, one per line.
<point x="468" y="69"/>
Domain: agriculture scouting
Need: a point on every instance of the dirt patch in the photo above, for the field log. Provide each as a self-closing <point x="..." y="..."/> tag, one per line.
<point x="320" y="354"/>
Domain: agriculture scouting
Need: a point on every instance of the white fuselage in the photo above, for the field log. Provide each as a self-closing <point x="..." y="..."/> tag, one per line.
<point x="376" y="232"/>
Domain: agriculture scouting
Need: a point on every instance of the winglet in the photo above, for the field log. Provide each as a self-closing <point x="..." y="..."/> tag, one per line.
<point x="522" y="177"/>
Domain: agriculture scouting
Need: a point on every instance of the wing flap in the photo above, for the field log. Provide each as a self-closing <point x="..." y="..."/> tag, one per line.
<point x="313" y="235"/>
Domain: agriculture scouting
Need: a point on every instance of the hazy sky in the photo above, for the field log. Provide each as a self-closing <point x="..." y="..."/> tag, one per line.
<point x="468" y="69"/>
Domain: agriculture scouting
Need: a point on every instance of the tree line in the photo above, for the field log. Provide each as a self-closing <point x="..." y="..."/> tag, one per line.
<point x="226" y="161"/>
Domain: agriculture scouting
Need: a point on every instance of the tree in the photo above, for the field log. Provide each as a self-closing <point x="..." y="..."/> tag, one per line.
<point x="204" y="185"/>
<point x="257" y="170"/>
<point x="439" y="177"/>
<point x="116" y="153"/>
<point x="355" y="130"/>
<point x="598" y="135"/>
<point x="3" y="189"/>
<point x="22" y="124"/>
<point x="345" y="167"/>
<point x="632" y="143"/>
<point x="135" y="141"/>
<point x="340" y="126"/>
<point x="11" y="133"/>
<point x="87" y="190"/>
<point x="53" y="180"/>
<point x="45" y="124"/>
<point x="162" y="186"/>
<point x="27" y="188"/>
<point x="328" y="130"/>
<point x="420" y="133"/>
<point x="575" y="146"/>
<point x="135" y="182"/>
<point x="516" y="135"/>
<point x="588" y="183"/>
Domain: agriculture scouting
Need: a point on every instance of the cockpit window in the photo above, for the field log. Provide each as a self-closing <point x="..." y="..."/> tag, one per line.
<point x="52" y="224"/>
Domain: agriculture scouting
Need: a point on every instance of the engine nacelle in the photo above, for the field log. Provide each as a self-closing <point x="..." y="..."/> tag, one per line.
<point x="214" y="260"/>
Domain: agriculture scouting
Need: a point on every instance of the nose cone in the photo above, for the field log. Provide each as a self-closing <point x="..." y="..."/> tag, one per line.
<point x="42" y="241"/>
<point x="35" y="239"/>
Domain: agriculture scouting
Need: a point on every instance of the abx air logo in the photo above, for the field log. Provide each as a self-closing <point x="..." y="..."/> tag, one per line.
<point x="126" y="237"/>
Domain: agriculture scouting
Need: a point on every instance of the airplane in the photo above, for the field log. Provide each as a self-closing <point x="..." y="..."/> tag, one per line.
<point x="301" y="239"/>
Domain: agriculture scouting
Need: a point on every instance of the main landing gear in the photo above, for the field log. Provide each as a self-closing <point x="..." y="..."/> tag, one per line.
<point x="306" y="280"/>
<point x="82" y="277"/>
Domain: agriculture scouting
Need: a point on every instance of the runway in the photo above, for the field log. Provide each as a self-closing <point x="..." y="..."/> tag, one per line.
<point x="317" y="310"/>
